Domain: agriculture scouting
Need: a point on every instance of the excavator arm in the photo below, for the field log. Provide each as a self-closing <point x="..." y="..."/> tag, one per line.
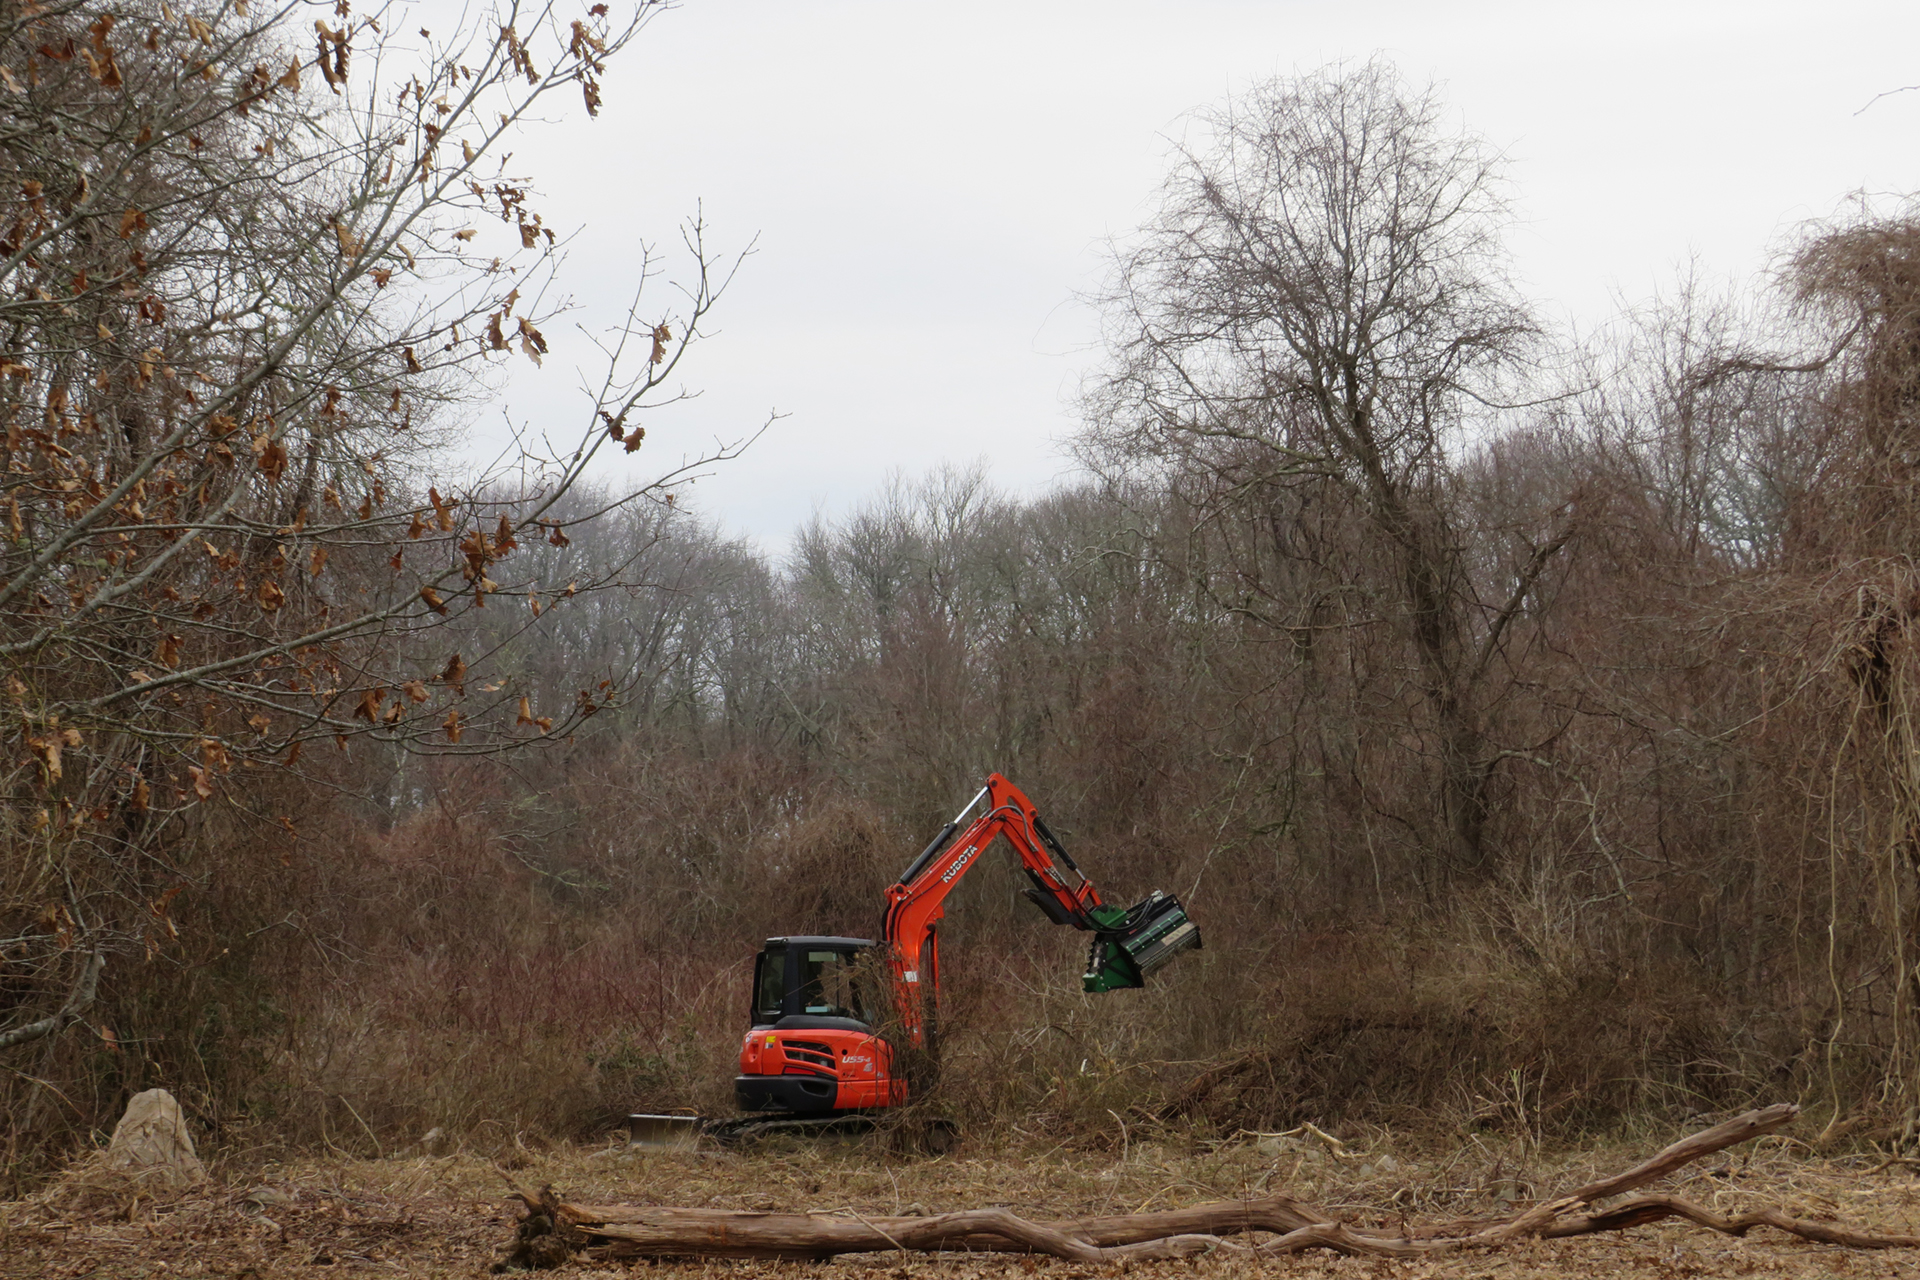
<point x="1128" y="943"/>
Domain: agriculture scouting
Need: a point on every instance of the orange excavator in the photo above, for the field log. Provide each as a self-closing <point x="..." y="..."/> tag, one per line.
<point x="820" y="1050"/>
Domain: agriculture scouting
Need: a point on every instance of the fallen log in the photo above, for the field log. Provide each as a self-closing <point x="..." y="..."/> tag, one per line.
<point x="1697" y="1146"/>
<point x="553" y="1230"/>
<point x="1646" y="1209"/>
<point x="1742" y="1128"/>
<point x="1178" y="1233"/>
<point x="1273" y="1213"/>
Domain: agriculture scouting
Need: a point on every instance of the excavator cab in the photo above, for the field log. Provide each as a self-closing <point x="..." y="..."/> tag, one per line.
<point x="812" y="983"/>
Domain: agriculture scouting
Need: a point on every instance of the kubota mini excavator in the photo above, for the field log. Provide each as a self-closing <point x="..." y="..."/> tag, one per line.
<point x="816" y="1053"/>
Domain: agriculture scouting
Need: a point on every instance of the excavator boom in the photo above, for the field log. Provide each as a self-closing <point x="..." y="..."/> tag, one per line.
<point x="1128" y="943"/>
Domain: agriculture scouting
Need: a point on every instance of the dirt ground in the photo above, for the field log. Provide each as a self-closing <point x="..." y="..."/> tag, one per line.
<point x="421" y="1216"/>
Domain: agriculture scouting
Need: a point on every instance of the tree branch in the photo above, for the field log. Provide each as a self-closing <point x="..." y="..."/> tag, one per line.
<point x="78" y="1001"/>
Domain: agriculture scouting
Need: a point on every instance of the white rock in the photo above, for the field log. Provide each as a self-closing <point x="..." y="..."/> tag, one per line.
<point x="152" y="1138"/>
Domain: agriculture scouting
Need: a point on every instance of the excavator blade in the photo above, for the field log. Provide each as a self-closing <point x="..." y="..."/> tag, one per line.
<point x="1133" y="943"/>
<point x="663" y="1133"/>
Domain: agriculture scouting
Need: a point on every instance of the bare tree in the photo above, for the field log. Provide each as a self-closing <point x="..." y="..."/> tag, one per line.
<point x="1322" y="306"/>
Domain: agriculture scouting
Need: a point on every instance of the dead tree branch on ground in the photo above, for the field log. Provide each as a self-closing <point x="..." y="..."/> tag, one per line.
<point x="552" y="1229"/>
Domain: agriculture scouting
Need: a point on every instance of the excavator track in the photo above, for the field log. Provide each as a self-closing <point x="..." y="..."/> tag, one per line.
<point x="935" y="1136"/>
<point x="741" y="1131"/>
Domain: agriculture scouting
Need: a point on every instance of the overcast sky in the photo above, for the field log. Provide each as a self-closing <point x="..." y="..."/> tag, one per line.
<point x="931" y="187"/>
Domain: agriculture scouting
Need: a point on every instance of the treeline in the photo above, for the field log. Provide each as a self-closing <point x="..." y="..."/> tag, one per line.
<point x="1526" y="722"/>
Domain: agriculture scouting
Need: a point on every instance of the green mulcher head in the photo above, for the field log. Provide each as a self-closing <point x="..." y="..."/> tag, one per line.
<point x="1128" y="945"/>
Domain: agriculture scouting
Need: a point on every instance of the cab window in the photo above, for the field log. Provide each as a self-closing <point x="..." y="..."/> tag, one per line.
<point x="828" y="987"/>
<point x="770" y="985"/>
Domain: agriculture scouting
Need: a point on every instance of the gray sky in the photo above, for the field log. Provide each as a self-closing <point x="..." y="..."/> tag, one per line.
<point x="931" y="186"/>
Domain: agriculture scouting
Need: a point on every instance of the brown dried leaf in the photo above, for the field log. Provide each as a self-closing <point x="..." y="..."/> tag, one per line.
<point x="48" y="749"/>
<point x="270" y="457"/>
<point x="327" y="72"/>
<point x="531" y="341"/>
